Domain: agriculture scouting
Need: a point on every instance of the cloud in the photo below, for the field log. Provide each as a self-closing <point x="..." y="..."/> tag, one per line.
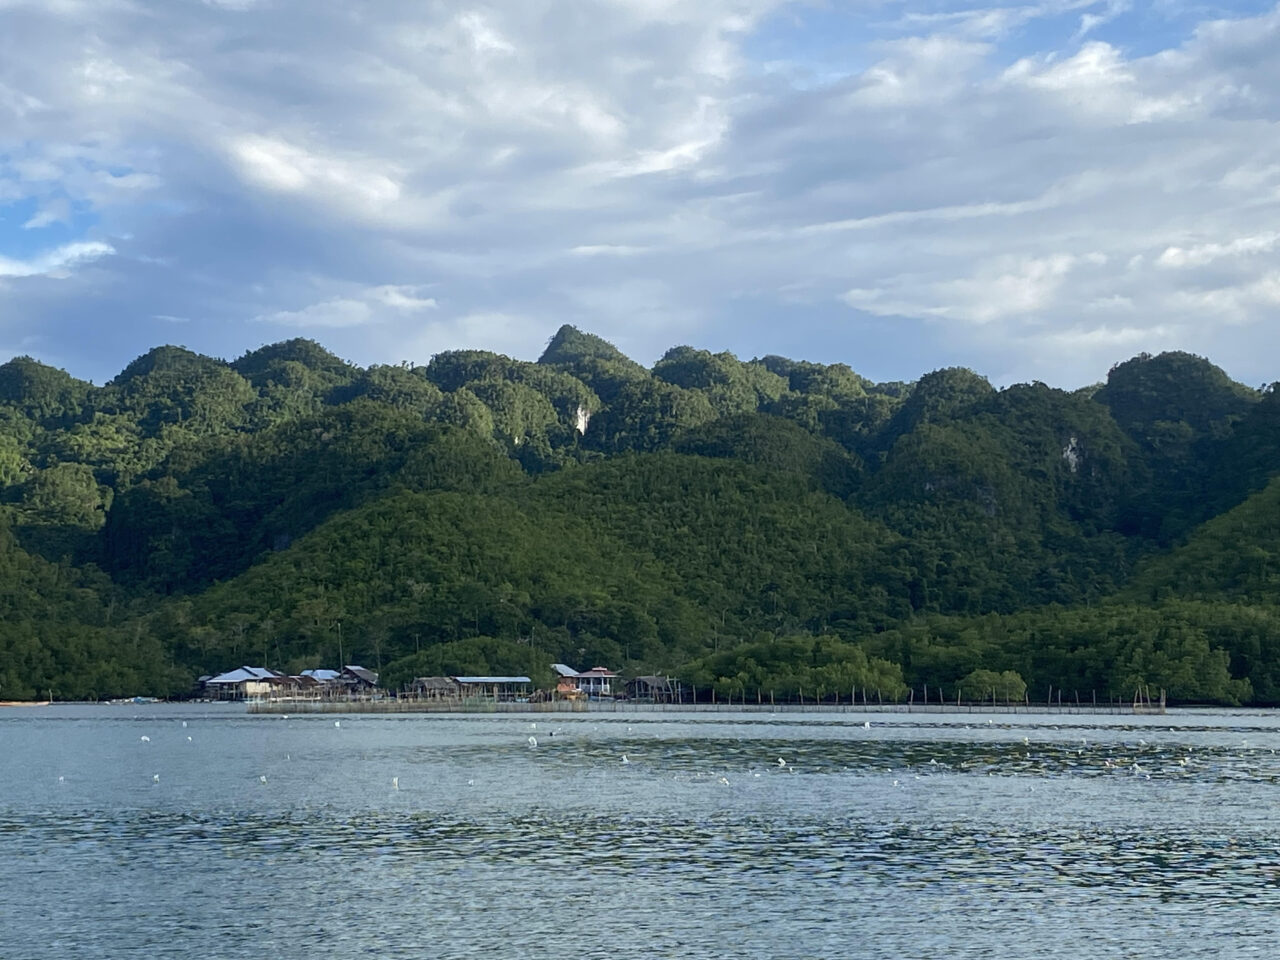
<point x="287" y="168"/>
<point x="54" y="263"/>
<point x="328" y="314"/>
<point x="402" y="297"/>
<point x="483" y="38"/>
<point x="56" y="210"/>
<point x="606" y="250"/>
<point x="1025" y="189"/>
<point x="1237" y="303"/>
<point x="382" y="304"/>
<point x="1206" y="253"/>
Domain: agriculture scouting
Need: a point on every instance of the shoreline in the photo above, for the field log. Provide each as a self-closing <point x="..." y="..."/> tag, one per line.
<point x="626" y="706"/>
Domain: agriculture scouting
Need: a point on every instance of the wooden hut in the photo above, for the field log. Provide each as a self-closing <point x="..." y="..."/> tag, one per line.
<point x="504" y="689"/>
<point x="651" y="689"/>
<point x="435" y="688"/>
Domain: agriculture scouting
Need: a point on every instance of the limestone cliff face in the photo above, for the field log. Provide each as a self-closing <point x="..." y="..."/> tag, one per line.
<point x="1072" y="454"/>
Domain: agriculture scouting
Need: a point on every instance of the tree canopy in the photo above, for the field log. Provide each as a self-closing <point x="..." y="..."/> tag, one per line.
<point x="754" y="527"/>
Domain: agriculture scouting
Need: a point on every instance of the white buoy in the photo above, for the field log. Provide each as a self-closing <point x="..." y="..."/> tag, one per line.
<point x="145" y="739"/>
<point x="533" y="741"/>
<point x="263" y="778"/>
<point x="866" y="724"/>
<point x="61" y="779"/>
<point x="395" y="783"/>
<point x="155" y="778"/>
<point x="184" y="723"/>
<point x="624" y="759"/>
<point x="337" y="723"/>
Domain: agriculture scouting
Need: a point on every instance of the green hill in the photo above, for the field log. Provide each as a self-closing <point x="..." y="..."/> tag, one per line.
<point x="742" y="523"/>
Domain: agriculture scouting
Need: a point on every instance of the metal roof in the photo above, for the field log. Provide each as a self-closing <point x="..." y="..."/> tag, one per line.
<point x="241" y="674"/>
<point x="321" y="674"/>
<point x="564" y="670"/>
<point x="493" y="679"/>
<point x="434" y="683"/>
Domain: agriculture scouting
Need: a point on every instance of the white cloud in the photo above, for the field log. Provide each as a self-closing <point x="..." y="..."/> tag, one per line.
<point x="55" y="263"/>
<point x="56" y="210"/>
<point x="373" y="306"/>
<point x="1111" y="338"/>
<point x="483" y="38"/>
<point x="990" y="184"/>
<point x="402" y="297"/>
<point x="606" y="250"/>
<point x="277" y="165"/>
<point x="1004" y="288"/>
<point x="328" y="314"/>
<point x="1237" y="303"/>
<point x="1206" y="253"/>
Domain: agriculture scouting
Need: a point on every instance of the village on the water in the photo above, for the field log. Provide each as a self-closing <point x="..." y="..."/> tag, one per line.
<point x="357" y="684"/>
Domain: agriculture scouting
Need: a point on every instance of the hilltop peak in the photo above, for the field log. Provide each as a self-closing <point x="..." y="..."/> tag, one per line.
<point x="570" y="345"/>
<point x="167" y="359"/>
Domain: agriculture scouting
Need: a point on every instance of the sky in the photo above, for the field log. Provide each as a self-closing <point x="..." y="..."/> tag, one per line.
<point x="1034" y="190"/>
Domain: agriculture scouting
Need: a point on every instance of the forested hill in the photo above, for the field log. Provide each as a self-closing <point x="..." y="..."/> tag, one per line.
<point x="747" y="525"/>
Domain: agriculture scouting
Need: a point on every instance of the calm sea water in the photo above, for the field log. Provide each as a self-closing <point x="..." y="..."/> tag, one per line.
<point x="200" y="832"/>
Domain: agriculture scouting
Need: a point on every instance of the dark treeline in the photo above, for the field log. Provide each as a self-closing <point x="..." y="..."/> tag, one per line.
<point x="756" y="527"/>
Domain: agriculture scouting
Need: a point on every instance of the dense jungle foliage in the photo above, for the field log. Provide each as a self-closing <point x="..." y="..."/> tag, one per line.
<point x="757" y="528"/>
